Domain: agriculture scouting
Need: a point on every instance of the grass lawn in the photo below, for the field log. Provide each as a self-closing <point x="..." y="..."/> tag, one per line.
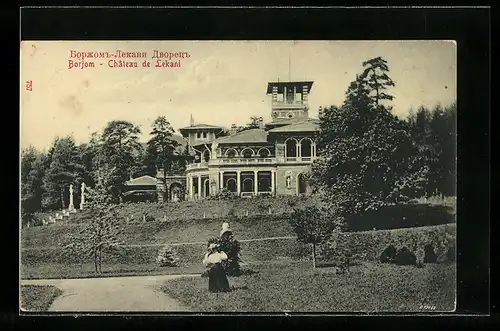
<point x="86" y="270"/>
<point x="295" y="287"/>
<point x="38" y="298"/>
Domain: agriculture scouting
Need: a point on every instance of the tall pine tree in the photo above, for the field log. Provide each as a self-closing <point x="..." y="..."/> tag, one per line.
<point x="161" y="146"/>
<point x="64" y="168"/>
<point x="376" y="81"/>
<point x="119" y="147"/>
<point x="367" y="158"/>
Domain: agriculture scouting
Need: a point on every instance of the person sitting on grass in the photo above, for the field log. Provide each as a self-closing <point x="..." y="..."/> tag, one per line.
<point x="217" y="279"/>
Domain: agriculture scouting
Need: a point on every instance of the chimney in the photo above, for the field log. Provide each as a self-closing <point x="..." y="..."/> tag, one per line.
<point x="261" y="123"/>
<point x="191" y="121"/>
<point x="233" y="129"/>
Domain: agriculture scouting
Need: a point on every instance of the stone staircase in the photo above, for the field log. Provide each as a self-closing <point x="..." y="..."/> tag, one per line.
<point x="59" y="216"/>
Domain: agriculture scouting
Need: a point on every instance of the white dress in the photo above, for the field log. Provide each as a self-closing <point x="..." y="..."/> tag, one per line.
<point x="214" y="258"/>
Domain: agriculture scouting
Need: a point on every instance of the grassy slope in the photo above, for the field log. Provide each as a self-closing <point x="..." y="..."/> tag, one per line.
<point x="185" y="222"/>
<point x="295" y="287"/>
<point x="165" y="232"/>
<point x="38" y="298"/>
<point x="38" y="262"/>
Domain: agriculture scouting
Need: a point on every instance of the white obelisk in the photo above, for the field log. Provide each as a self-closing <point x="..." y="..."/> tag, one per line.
<point x="82" y="200"/>
<point x="71" y="206"/>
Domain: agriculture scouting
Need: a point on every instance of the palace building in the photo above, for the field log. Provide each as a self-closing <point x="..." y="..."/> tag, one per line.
<point x="269" y="160"/>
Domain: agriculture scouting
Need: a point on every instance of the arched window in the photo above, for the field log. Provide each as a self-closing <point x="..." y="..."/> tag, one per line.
<point x="302" y="183"/>
<point x="231" y="153"/>
<point x="231" y="184"/>
<point x="291" y="148"/>
<point x="247" y="153"/>
<point x="306" y="147"/>
<point x="247" y="185"/>
<point x="206" y="188"/>
<point x="264" y="152"/>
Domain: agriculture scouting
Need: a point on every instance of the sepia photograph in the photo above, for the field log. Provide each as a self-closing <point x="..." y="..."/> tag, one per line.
<point x="302" y="176"/>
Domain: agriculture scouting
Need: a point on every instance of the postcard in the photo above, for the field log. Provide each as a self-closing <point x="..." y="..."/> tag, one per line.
<point x="238" y="176"/>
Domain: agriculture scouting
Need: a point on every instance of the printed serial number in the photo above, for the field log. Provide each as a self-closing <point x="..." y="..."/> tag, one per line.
<point x="427" y="307"/>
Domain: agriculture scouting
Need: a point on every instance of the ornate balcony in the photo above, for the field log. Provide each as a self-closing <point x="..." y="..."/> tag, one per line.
<point x="248" y="161"/>
<point x="243" y="161"/>
<point x="305" y="159"/>
<point x="192" y="166"/>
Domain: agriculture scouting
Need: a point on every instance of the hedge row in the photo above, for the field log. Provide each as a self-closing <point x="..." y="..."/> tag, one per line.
<point x="369" y="244"/>
<point x="251" y="252"/>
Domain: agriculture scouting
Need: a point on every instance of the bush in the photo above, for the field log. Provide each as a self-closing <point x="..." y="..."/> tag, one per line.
<point x="405" y="257"/>
<point x="224" y="194"/>
<point x="167" y="257"/>
<point x="388" y="255"/>
<point x="373" y="243"/>
<point x="402" y="216"/>
<point x="430" y="256"/>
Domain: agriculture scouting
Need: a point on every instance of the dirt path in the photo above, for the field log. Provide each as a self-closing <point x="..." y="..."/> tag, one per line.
<point x="113" y="294"/>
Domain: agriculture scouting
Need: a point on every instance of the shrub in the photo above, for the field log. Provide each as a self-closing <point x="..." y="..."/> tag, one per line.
<point x="401" y="216"/>
<point x="231" y="212"/>
<point x="430" y="256"/>
<point x="291" y="203"/>
<point x="373" y="243"/>
<point x="388" y="255"/>
<point x="224" y="194"/>
<point x="167" y="257"/>
<point x="312" y="226"/>
<point x="150" y="218"/>
<point x="405" y="257"/>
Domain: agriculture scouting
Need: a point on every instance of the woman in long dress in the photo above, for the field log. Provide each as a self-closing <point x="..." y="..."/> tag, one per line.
<point x="217" y="279"/>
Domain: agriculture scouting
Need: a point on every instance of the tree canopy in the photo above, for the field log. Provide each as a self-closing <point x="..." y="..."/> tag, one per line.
<point x="368" y="158"/>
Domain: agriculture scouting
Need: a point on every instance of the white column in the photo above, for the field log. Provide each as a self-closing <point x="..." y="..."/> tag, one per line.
<point x="298" y="150"/>
<point x="272" y="181"/>
<point x="313" y="149"/>
<point x="191" y="187"/>
<point x="199" y="186"/>
<point x="238" y="182"/>
<point x="255" y="182"/>
<point x="221" y="180"/>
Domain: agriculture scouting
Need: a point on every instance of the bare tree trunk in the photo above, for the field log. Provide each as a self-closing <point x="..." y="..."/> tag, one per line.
<point x="314" y="255"/>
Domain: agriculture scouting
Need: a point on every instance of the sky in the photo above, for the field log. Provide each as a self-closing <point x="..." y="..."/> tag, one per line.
<point x="221" y="83"/>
